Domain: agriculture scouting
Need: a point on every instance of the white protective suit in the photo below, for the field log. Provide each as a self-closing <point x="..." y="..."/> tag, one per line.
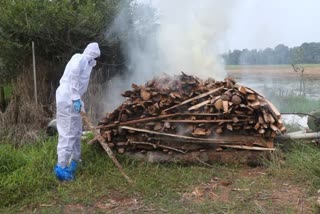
<point x="73" y="85"/>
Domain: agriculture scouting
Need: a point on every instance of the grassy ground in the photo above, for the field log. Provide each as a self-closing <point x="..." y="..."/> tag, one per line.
<point x="293" y="103"/>
<point x="286" y="184"/>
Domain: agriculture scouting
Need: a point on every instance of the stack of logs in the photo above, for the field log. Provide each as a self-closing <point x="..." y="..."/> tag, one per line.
<point x="184" y="114"/>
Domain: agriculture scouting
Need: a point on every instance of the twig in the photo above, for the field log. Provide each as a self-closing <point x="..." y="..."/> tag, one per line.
<point x="104" y="145"/>
<point x="161" y="146"/>
<point x="94" y="140"/>
<point x="238" y="189"/>
<point x="204" y="163"/>
<point x="248" y="147"/>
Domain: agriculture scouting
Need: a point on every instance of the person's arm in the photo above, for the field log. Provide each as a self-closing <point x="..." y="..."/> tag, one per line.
<point x="75" y="80"/>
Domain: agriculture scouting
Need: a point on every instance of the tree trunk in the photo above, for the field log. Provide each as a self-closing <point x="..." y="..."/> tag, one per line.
<point x="2" y="99"/>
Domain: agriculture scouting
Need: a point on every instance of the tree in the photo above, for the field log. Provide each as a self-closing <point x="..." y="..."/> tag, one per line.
<point x="296" y="55"/>
<point x="281" y="54"/>
<point x="59" y="29"/>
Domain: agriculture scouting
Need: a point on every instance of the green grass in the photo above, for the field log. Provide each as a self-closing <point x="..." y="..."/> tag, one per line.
<point x="7" y="91"/>
<point x="293" y="103"/>
<point x="27" y="181"/>
<point x="27" y="178"/>
<point x="230" y="67"/>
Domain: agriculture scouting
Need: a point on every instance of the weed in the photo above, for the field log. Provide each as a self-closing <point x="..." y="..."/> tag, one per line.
<point x="7" y="92"/>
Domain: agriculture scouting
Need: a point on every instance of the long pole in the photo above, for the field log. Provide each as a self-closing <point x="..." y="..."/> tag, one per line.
<point x="34" y="74"/>
<point x="104" y="145"/>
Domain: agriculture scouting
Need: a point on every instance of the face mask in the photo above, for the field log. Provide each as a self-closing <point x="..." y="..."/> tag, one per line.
<point x="92" y="63"/>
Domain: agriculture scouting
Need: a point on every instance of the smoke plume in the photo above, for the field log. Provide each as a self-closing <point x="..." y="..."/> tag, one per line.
<point x="165" y="36"/>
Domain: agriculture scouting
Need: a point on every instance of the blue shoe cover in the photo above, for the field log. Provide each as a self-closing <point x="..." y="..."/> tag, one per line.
<point x="73" y="166"/>
<point x="63" y="174"/>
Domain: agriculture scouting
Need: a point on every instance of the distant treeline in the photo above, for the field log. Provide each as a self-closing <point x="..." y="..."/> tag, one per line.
<point x="307" y="53"/>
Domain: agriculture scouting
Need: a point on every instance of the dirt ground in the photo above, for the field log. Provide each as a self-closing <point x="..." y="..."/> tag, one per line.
<point x="275" y="196"/>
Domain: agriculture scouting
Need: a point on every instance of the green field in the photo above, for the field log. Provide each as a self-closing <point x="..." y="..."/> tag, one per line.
<point x="231" y="67"/>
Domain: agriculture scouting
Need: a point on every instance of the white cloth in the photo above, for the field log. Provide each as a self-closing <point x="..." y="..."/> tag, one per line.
<point x="73" y="84"/>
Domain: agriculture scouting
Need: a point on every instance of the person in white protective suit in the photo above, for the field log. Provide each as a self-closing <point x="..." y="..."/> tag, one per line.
<point x="73" y="85"/>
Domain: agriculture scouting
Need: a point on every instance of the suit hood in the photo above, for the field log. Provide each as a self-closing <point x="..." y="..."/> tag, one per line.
<point x="92" y="50"/>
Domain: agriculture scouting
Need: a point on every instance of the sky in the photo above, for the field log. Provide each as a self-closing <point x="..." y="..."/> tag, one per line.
<point x="260" y="24"/>
<point x="257" y="24"/>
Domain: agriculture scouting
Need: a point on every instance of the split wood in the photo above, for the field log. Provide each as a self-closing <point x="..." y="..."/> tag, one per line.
<point x="190" y="139"/>
<point x="158" y="145"/>
<point x="148" y="119"/>
<point x="104" y="145"/>
<point x="195" y="98"/>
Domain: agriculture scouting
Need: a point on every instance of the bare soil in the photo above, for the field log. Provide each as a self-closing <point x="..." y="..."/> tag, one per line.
<point x="274" y="197"/>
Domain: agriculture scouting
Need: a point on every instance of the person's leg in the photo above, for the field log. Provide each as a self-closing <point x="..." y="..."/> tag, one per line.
<point x="76" y="149"/>
<point x="66" y="136"/>
<point x="66" y="125"/>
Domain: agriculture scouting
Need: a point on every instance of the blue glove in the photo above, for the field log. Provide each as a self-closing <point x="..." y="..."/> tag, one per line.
<point x="77" y="105"/>
<point x="63" y="174"/>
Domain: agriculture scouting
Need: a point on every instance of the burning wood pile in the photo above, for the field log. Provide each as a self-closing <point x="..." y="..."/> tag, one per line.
<point x="183" y="114"/>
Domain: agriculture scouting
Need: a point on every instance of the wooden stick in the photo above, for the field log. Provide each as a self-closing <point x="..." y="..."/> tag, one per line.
<point x="105" y="146"/>
<point x="312" y="135"/>
<point x="199" y="105"/>
<point x="92" y="141"/>
<point x="161" y="146"/>
<point x="218" y="141"/>
<point x="191" y="139"/>
<point x="203" y="121"/>
<point x="194" y="98"/>
<point x="248" y="147"/>
<point x="274" y="111"/>
<point x="148" y="119"/>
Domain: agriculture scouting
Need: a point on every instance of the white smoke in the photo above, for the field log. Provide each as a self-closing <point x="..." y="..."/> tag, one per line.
<point x="189" y="35"/>
<point x="165" y="36"/>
